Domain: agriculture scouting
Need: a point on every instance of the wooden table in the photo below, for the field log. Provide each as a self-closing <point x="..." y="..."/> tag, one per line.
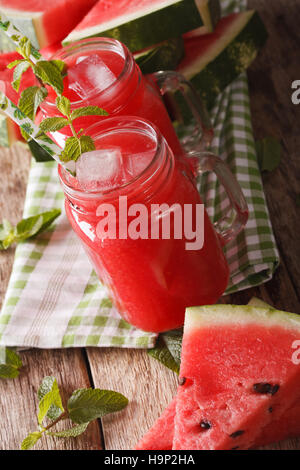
<point x="148" y="385"/>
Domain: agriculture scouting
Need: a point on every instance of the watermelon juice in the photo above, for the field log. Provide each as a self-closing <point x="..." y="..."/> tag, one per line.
<point x="102" y="72"/>
<point x="151" y="278"/>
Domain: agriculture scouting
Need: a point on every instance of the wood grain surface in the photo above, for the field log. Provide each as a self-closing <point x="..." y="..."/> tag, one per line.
<point x="148" y="385"/>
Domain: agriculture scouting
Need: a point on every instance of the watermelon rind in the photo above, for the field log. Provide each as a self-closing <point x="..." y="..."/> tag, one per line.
<point x="239" y="315"/>
<point x="212" y="71"/>
<point x="28" y="23"/>
<point x="150" y="25"/>
<point x="165" y="56"/>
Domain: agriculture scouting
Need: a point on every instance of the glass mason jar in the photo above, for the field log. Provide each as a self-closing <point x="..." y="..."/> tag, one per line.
<point x="123" y="90"/>
<point x="145" y="230"/>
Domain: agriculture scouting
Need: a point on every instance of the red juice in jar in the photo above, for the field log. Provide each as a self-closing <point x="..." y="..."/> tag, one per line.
<point x="150" y="279"/>
<point x="102" y="72"/>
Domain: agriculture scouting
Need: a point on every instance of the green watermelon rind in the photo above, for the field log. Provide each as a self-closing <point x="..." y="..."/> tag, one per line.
<point x="239" y="315"/>
<point x="165" y="56"/>
<point x="211" y="74"/>
<point x="30" y="23"/>
<point x="144" y="31"/>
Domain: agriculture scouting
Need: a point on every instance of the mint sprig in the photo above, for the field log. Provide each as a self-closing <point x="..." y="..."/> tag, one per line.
<point x="26" y="228"/>
<point x="50" y="73"/>
<point x="10" y="363"/>
<point x="83" y="406"/>
<point x="168" y="350"/>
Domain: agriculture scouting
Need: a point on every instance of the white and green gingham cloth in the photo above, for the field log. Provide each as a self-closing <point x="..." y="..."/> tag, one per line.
<point x="54" y="299"/>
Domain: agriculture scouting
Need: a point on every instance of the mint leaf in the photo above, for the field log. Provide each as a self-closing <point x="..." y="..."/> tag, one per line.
<point x="88" y="111"/>
<point x="72" y="150"/>
<point x="88" y="404"/>
<point x="6" y="234"/>
<point x="162" y="354"/>
<point x="86" y="144"/>
<point x="268" y="153"/>
<point x="10" y="363"/>
<point x="63" y="105"/>
<point x="46" y="386"/>
<point x="53" y="124"/>
<point x="18" y="72"/>
<point x="30" y="100"/>
<point x="49" y="73"/>
<point x="72" y="432"/>
<point x="26" y="228"/>
<point x="31" y="226"/>
<point x="173" y="341"/>
<point x="31" y="440"/>
<point x="50" y="402"/>
<point x="59" y="64"/>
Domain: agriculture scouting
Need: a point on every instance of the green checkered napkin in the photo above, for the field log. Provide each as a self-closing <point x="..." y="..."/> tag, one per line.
<point x="54" y="299"/>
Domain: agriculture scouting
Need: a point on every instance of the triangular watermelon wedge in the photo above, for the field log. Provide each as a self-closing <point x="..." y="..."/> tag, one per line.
<point x="237" y="368"/>
<point x="213" y="61"/>
<point x="160" y="436"/>
<point x="280" y="426"/>
<point x="45" y="22"/>
<point x="143" y="23"/>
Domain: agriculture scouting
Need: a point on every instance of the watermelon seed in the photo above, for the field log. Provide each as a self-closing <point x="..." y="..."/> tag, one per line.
<point x="235" y="448"/>
<point x="205" y="424"/>
<point x="266" y="388"/>
<point x="270" y="410"/>
<point x="182" y="380"/>
<point x="236" y="434"/>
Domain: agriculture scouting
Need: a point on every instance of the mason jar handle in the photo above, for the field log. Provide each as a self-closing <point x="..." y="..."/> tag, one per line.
<point x="236" y="216"/>
<point x="201" y="136"/>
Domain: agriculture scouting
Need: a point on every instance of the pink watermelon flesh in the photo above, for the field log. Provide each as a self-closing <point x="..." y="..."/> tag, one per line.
<point x="226" y="351"/>
<point x="282" y="428"/>
<point x="160" y="436"/>
<point x="57" y="17"/>
<point x="287" y="426"/>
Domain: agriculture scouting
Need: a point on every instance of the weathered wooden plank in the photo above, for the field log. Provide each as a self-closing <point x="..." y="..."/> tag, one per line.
<point x="147" y="384"/>
<point x="18" y="399"/>
<point x="273" y="113"/>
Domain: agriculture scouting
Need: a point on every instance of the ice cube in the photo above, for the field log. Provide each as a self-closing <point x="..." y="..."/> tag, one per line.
<point x="100" y="169"/>
<point x="90" y="75"/>
<point x="135" y="164"/>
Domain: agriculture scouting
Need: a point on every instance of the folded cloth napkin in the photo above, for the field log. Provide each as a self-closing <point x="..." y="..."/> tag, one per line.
<point x="54" y="299"/>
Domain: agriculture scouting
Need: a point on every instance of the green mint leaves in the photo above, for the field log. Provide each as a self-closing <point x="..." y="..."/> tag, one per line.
<point x="268" y="152"/>
<point x="26" y="228"/>
<point x="50" y="73"/>
<point x="10" y="363"/>
<point x="83" y="406"/>
<point x="30" y="100"/>
<point x="78" y="144"/>
<point x="168" y="350"/>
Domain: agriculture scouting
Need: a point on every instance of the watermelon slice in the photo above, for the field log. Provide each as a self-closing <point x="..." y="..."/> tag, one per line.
<point x="236" y="366"/>
<point x="280" y="426"/>
<point x="142" y="23"/>
<point x="213" y="61"/>
<point x="45" y="22"/>
<point x="160" y="436"/>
